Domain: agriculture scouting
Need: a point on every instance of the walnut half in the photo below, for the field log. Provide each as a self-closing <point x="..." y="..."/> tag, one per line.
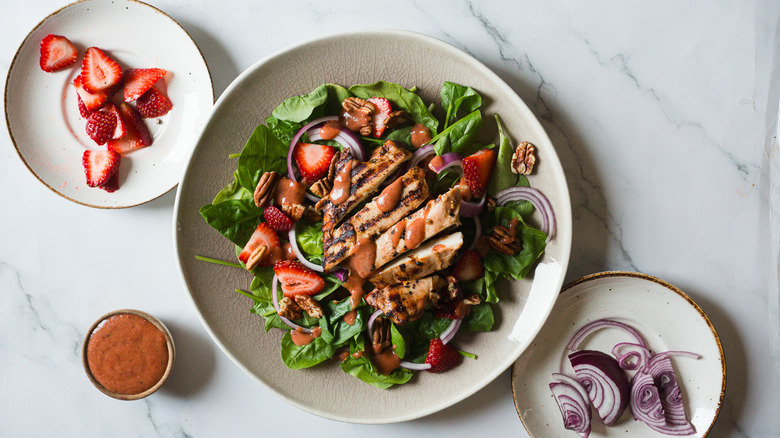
<point x="524" y="158"/>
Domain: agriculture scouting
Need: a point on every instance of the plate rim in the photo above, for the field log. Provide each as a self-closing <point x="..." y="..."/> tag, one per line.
<point x="8" y="121"/>
<point x="511" y="93"/>
<point x="647" y="277"/>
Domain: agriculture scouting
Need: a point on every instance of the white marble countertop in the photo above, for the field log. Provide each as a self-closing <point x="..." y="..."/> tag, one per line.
<point x="660" y="113"/>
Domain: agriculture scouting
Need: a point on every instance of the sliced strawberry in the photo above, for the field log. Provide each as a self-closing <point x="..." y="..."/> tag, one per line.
<point x="277" y="219"/>
<point x="91" y="101"/>
<point x="139" y="80"/>
<point x="101" y="126"/>
<point x="112" y="184"/>
<point x="263" y="235"/>
<point x="83" y="108"/>
<point x="469" y="267"/>
<point x="98" y="71"/>
<point x="442" y="357"/>
<point x="313" y="160"/>
<point x="297" y="279"/>
<point x="383" y="109"/>
<point x="57" y="52"/>
<point x="100" y="166"/>
<point x="477" y="169"/>
<point x="121" y="128"/>
<point x="153" y="104"/>
<point x="137" y="134"/>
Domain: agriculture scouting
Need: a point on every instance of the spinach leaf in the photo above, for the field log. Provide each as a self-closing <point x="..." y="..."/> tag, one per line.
<point x="398" y="341"/>
<point x="309" y="238"/>
<point x="402" y="98"/>
<point x="305" y="356"/>
<point x="455" y="96"/>
<point x="300" y="108"/>
<point x="480" y="319"/>
<point x="284" y="130"/>
<point x="503" y="177"/>
<point x="235" y="219"/>
<point x="263" y="152"/>
<point x="460" y="136"/>
<point x="336" y="95"/>
<point x="343" y="332"/>
<point x="362" y="368"/>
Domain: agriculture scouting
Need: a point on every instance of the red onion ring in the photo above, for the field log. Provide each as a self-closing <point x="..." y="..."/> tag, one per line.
<point x="275" y="300"/>
<point x="415" y="366"/>
<point x="448" y="334"/>
<point x="536" y="198"/>
<point x="575" y="409"/>
<point x="371" y="320"/>
<point x="587" y="329"/>
<point x="625" y="351"/>
<point x="472" y="209"/>
<point x="421" y="154"/>
<point x="449" y="160"/>
<point x="298" y="253"/>
<point x="347" y="138"/>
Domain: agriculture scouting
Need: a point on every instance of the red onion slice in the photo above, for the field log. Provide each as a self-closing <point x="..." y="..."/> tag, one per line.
<point x="371" y="320"/>
<point x="448" y="161"/>
<point x="275" y="300"/>
<point x="298" y="253"/>
<point x="645" y="401"/>
<point x="415" y="366"/>
<point x="606" y="383"/>
<point x="448" y="334"/>
<point x="587" y="329"/>
<point x="574" y="408"/>
<point x="421" y="154"/>
<point x="472" y="209"/>
<point x="631" y="356"/>
<point x="346" y="138"/>
<point x="536" y="198"/>
<point x="661" y="370"/>
<point x="477" y="230"/>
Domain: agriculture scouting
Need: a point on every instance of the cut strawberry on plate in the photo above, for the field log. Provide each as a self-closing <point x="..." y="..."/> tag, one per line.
<point x="137" y="134"/>
<point x="477" y="169"/>
<point x="468" y="267"/>
<point x="277" y="219"/>
<point x="99" y="73"/>
<point x="442" y="357"/>
<point x="139" y="80"/>
<point x="297" y="279"/>
<point x="57" y="52"/>
<point x="153" y="104"/>
<point x="263" y="235"/>
<point x="121" y="127"/>
<point x="313" y="160"/>
<point x="100" y="166"/>
<point x="112" y="184"/>
<point x="83" y="111"/>
<point x="383" y="109"/>
<point x="101" y="126"/>
<point x="91" y="101"/>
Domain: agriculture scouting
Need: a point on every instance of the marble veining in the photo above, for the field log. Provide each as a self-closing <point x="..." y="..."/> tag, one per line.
<point x="666" y="140"/>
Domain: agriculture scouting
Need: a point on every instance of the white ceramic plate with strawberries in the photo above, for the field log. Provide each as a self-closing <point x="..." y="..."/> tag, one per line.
<point x="42" y="111"/>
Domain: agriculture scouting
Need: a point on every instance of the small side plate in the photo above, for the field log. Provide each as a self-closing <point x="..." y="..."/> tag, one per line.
<point x="665" y="316"/>
<point x="42" y="113"/>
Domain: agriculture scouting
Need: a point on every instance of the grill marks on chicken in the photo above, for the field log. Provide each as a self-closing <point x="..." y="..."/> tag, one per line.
<point x="406" y="301"/>
<point x="433" y="256"/>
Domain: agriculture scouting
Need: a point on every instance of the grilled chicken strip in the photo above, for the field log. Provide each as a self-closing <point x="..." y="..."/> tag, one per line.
<point x="365" y="179"/>
<point x="404" y="302"/>
<point x="411" y="190"/>
<point x="438" y="215"/>
<point x="435" y="255"/>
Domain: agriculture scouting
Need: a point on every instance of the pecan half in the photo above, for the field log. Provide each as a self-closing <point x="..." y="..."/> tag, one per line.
<point x="322" y="187"/>
<point x="321" y="204"/>
<point x="453" y="290"/>
<point x="395" y="119"/>
<point x="332" y="168"/>
<point x="293" y="211"/>
<point x="264" y="190"/>
<point x="310" y="305"/>
<point x="502" y="240"/>
<point x="381" y="338"/>
<point x="472" y="300"/>
<point x="490" y="203"/>
<point x="312" y="215"/>
<point x="365" y="131"/>
<point x="289" y="309"/>
<point x="352" y="104"/>
<point x="256" y="256"/>
<point x="524" y="158"/>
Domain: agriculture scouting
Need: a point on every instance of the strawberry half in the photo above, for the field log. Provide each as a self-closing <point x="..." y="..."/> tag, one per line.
<point x="57" y="52"/>
<point x="91" y="101"/>
<point x="263" y="235"/>
<point x="83" y="111"/>
<point x="112" y="184"/>
<point x="469" y="267"/>
<point x="100" y="166"/>
<point x="477" y="169"/>
<point x="101" y="126"/>
<point x="277" y="219"/>
<point x="139" y="80"/>
<point x="297" y="279"/>
<point x="121" y="128"/>
<point x="153" y="104"/>
<point x="137" y="134"/>
<point x="313" y="160"/>
<point x="442" y="357"/>
<point x="383" y="109"/>
<point x="98" y="71"/>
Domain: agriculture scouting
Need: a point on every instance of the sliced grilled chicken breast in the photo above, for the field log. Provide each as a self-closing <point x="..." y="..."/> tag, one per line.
<point x="433" y="256"/>
<point x="404" y="302"/>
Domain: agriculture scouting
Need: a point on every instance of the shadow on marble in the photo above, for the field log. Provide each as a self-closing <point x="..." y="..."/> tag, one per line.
<point x="223" y="69"/>
<point x="195" y="362"/>
<point x="590" y="213"/>
<point x="736" y="365"/>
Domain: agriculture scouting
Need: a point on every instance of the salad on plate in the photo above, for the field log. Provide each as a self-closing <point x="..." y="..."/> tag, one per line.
<point x="376" y="231"/>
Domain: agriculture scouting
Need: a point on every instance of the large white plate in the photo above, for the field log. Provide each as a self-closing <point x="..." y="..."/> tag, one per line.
<point x="665" y="316"/>
<point x="43" y="118"/>
<point x="347" y="59"/>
